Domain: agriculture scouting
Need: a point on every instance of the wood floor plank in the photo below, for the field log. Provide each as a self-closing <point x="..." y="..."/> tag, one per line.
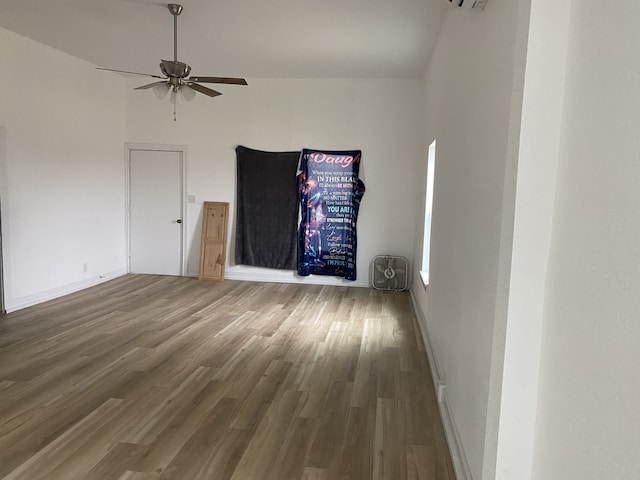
<point x="389" y="443"/>
<point x="330" y="431"/>
<point x="262" y="395"/>
<point x="45" y="424"/>
<point x="290" y="461"/>
<point x="46" y="461"/>
<point x="149" y="377"/>
<point x="421" y="464"/>
<point x="315" y="474"/>
<point x="156" y="420"/>
<point x="179" y="426"/>
<point x="115" y="464"/>
<point x="129" y="475"/>
<point x="198" y="451"/>
<point x="259" y="459"/>
<point x="356" y="460"/>
<point x="227" y="455"/>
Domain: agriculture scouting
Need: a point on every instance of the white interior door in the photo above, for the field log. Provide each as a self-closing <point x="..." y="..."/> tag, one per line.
<point x="155" y="211"/>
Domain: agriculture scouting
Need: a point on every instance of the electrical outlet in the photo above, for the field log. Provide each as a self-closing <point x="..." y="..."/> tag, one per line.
<point x="85" y="267"/>
<point x="440" y="391"/>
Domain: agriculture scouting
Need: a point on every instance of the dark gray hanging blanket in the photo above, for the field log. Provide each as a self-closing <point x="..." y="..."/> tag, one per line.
<point x="267" y="208"/>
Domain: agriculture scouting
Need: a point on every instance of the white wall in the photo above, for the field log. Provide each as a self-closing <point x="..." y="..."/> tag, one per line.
<point x="517" y="356"/>
<point x="561" y="370"/>
<point x="474" y="90"/>
<point x="589" y="420"/>
<point x="384" y="118"/>
<point x="61" y="172"/>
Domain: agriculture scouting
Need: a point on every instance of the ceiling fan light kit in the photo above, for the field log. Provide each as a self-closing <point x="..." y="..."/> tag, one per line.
<point x="176" y="74"/>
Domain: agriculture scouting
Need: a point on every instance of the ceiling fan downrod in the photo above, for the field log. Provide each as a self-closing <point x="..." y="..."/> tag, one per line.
<point x="175" y="10"/>
<point x="175" y="83"/>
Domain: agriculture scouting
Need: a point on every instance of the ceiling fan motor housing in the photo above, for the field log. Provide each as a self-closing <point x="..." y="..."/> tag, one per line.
<point x="175" y="69"/>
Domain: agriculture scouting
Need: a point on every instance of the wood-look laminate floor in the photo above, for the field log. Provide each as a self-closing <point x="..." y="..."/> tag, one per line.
<point x="150" y="377"/>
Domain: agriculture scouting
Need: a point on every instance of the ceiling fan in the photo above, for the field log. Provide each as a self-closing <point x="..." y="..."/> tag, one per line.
<point x="176" y="74"/>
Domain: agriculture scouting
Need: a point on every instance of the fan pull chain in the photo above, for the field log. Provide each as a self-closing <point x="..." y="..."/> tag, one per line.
<point x="174" y="105"/>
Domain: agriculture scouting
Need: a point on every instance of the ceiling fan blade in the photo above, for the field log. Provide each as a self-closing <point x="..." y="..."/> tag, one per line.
<point x="150" y="85"/>
<point x="201" y="89"/>
<point x="130" y="73"/>
<point x="226" y="80"/>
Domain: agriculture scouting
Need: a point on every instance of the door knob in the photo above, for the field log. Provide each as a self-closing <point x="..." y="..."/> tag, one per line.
<point x="178" y="221"/>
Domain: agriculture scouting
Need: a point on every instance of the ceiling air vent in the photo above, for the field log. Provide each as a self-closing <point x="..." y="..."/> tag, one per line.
<point x="473" y="4"/>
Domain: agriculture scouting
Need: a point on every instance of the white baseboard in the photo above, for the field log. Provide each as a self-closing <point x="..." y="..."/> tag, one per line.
<point x="40" y="297"/>
<point x="252" y="274"/>
<point x="434" y="364"/>
<point x="458" y="457"/>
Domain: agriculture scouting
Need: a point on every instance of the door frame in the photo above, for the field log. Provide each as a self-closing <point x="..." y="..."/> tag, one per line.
<point x="129" y="147"/>
<point x="2" y="304"/>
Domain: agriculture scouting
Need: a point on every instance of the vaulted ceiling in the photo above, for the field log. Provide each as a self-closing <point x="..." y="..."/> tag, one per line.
<point x="250" y="38"/>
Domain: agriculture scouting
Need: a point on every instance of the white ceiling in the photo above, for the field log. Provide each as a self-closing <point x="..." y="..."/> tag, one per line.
<point x="249" y="38"/>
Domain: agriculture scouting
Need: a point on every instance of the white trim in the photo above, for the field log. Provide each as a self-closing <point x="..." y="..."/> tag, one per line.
<point x="127" y="199"/>
<point x="58" y="292"/>
<point x="458" y="457"/>
<point x="434" y="364"/>
<point x="285" y="276"/>
<point x="182" y="149"/>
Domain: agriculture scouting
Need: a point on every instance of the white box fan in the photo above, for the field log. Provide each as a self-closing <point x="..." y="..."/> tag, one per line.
<point x="390" y="273"/>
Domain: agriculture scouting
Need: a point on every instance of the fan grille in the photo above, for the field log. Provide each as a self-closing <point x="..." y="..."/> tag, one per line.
<point x="389" y="273"/>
